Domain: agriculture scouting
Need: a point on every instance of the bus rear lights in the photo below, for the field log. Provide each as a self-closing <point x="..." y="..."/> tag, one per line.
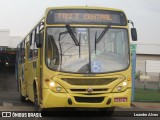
<point x="120" y="99"/>
<point x="119" y="88"/>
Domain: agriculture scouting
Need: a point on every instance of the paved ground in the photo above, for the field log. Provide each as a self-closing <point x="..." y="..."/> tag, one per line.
<point x="9" y="101"/>
<point x="7" y="80"/>
<point x="147" y="106"/>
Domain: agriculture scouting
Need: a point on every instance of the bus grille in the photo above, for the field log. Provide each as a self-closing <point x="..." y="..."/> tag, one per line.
<point x="89" y="99"/>
<point x="82" y="81"/>
<point x="85" y="90"/>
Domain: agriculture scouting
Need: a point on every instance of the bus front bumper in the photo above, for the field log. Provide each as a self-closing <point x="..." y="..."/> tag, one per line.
<point x="58" y="100"/>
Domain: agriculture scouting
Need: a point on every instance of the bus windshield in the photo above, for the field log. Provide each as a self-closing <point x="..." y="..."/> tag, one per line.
<point x="109" y="54"/>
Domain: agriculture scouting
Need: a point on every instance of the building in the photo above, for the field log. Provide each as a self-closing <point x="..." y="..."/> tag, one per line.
<point x="4" y="39"/>
<point x="8" y="45"/>
<point x="7" y="41"/>
<point x="147" y="51"/>
<point x="14" y="41"/>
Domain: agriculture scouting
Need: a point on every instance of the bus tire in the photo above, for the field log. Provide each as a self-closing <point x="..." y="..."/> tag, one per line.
<point x="36" y="103"/>
<point x="22" y="98"/>
<point x="107" y="111"/>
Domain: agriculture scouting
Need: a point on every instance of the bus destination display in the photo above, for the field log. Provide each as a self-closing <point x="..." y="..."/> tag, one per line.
<point x="86" y="17"/>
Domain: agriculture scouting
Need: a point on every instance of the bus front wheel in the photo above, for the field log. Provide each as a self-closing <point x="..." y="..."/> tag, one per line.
<point x="36" y="105"/>
<point x="22" y="98"/>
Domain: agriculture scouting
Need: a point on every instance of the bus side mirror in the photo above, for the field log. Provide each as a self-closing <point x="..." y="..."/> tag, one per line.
<point x="39" y="38"/>
<point x="134" y="34"/>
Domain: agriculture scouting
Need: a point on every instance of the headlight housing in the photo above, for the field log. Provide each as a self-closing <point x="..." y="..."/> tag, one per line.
<point x="54" y="86"/>
<point x="121" y="87"/>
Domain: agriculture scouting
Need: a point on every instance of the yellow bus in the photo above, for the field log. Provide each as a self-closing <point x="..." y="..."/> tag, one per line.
<point x="77" y="57"/>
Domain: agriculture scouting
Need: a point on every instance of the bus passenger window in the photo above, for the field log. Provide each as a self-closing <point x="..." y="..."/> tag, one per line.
<point x="23" y="52"/>
<point x="33" y="52"/>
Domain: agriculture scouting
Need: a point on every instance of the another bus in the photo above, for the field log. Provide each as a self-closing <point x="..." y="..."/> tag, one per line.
<point x="7" y="60"/>
<point x="77" y="57"/>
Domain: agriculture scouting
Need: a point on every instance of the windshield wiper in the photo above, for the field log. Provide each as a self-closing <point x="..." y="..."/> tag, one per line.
<point x="70" y="31"/>
<point x="102" y="34"/>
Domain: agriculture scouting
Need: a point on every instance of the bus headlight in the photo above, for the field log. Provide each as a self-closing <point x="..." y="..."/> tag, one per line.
<point x="124" y="83"/>
<point x="55" y="87"/>
<point x="121" y="87"/>
<point x="52" y="84"/>
<point x="58" y="88"/>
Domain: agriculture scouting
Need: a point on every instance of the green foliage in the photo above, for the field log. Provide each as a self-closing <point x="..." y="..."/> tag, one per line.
<point x="147" y="95"/>
<point x="138" y="74"/>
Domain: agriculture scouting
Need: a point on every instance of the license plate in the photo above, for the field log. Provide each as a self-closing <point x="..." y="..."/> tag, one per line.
<point x="120" y="99"/>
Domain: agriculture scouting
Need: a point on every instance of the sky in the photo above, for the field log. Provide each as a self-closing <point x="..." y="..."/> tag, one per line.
<point x="19" y="16"/>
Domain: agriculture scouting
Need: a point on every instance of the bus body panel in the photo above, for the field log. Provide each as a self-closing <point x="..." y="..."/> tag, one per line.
<point x="54" y="100"/>
<point x="38" y="73"/>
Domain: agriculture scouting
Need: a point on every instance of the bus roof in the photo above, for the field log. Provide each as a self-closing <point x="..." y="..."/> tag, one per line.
<point x="84" y="7"/>
<point x="74" y="7"/>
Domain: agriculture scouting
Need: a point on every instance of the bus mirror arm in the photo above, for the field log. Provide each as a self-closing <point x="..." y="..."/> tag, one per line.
<point x="133" y="31"/>
<point x="101" y="36"/>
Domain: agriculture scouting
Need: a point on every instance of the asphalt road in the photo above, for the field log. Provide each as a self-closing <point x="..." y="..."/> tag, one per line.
<point x="9" y="101"/>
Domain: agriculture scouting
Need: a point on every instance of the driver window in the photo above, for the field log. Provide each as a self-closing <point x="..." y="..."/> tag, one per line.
<point x="52" y="53"/>
<point x="50" y="48"/>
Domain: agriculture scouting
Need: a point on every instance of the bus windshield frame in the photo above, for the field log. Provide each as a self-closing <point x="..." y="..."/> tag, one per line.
<point x="66" y="57"/>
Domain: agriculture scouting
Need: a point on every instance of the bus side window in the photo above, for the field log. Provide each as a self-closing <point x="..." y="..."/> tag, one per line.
<point x="32" y="45"/>
<point x="19" y="55"/>
<point x="35" y="54"/>
<point x="23" y="52"/>
<point x="30" y="49"/>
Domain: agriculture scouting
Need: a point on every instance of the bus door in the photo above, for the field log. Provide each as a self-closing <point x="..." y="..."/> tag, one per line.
<point x="26" y="66"/>
<point x="21" y="68"/>
<point x="31" y="64"/>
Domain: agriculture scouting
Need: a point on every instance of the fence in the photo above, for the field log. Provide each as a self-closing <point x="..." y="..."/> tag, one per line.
<point x="147" y="86"/>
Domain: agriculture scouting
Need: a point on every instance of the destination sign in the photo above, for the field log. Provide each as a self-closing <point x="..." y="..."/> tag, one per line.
<point x="73" y="16"/>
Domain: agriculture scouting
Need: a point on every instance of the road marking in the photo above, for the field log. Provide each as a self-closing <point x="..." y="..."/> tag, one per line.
<point x="6" y="104"/>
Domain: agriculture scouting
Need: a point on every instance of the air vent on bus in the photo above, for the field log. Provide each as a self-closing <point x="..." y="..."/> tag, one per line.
<point x="82" y="81"/>
<point x="85" y="90"/>
<point x="89" y="99"/>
